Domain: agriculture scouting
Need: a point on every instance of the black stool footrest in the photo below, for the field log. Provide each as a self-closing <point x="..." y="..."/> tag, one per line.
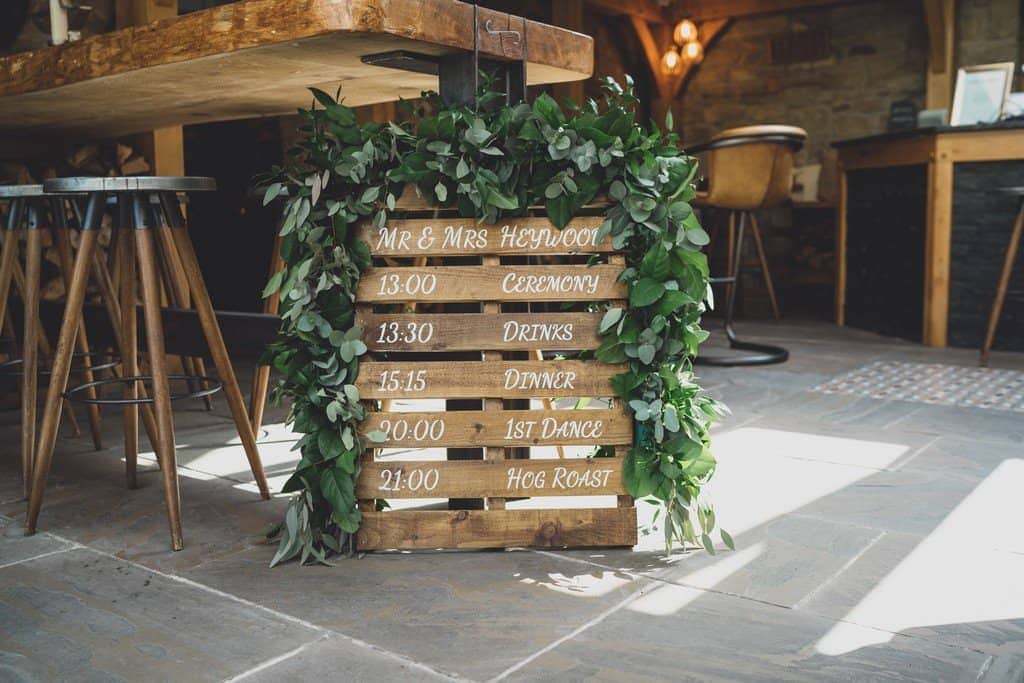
<point x="209" y="386"/>
<point x="767" y="355"/>
<point x="12" y="368"/>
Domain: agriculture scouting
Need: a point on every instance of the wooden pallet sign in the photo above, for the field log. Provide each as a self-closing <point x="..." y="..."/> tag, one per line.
<point x="471" y="313"/>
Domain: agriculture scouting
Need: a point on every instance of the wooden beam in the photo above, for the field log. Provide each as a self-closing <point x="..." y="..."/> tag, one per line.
<point x="707" y="33"/>
<point x="641" y="9"/>
<point x="654" y="45"/>
<point x="653" y="50"/>
<point x="939" y="19"/>
<point x="707" y="10"/>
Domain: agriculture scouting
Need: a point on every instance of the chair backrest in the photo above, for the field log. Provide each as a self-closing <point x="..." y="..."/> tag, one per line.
<point x="751" y="168"/>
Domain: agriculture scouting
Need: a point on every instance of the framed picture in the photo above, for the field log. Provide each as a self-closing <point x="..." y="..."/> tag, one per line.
<point x="981" y="92"/>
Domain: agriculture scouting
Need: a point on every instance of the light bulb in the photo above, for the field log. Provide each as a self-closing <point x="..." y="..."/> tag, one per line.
<point x="693" y="52"/>
<point x="671" y="63"/>
<point x="685" y="32"/>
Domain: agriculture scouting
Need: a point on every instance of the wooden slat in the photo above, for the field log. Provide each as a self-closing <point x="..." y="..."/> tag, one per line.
<point x="411" y="529"/>
<point x="479" y="331"/>
<point x="490" y="283"/>
<point x="466" y="237"/>
<point x="509" y="428"/>
<point x="256" y="58"/>
<point x="491" y="478"/>
<point x="485" y="379"/>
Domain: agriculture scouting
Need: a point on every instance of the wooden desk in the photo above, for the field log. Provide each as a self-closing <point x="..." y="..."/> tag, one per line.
<point x="254" y="58"/>
<point x="937" y="150"/>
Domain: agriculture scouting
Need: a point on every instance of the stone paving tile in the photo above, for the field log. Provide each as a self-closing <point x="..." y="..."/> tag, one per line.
<point x="932" y="588"/>
<point x="336" y="658"/>
<point x="79" y="615"/>
<point x="991" y="426"/>
<point x="88" y="503"/>
<point x="16" y="547"/>
<point x="678" y="633"/>
<point x="781" y="562"/>
<point x="470" y="613"/>
<point x="812" y="407"/>
<point x="1003" y="669"/>
<point x="837" y="444"/>
<point x="967" y="457"/>
<point x="909" y="501"/>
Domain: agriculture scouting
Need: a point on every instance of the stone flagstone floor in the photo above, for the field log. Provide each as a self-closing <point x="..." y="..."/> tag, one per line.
<point x="877" y="539"/>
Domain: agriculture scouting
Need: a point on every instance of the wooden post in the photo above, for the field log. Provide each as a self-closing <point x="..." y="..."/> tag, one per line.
<point x="163" y="147"/>
<point x="568" y="14"/>
<point x="939" y="18"/>
<point x="938" y="243"/>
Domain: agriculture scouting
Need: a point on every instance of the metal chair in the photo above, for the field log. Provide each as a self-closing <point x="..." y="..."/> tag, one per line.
<point x="748" y="169"/>
<point x="144" y="205"/>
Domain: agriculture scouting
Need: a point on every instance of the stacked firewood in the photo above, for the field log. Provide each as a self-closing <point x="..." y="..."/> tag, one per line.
<point x="104" y="159"/>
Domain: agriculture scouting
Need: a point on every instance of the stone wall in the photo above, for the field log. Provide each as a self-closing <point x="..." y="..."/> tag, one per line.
<point x="878" y="56"/>
<point x="988" y="31"/>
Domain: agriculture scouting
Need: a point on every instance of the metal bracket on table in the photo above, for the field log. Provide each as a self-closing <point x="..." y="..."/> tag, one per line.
<point x="458" y="73"/>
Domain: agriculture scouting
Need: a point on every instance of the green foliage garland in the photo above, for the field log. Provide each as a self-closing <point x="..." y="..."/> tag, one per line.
<point x="488" y="162"/>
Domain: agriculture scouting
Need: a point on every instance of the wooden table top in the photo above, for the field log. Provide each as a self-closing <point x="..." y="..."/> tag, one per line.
<point x="254" y="58"/>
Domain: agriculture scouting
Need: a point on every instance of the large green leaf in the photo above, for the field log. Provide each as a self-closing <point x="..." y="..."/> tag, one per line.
<point x="645" y="292"/>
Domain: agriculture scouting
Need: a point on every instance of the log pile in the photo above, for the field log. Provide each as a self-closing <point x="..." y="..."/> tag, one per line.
<point x="103" y="159"/>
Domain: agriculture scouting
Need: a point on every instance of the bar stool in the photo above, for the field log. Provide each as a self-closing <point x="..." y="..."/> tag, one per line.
<point x="749" y="169"/>
<point x="1012" y="250"/>
<point x="136" y="246"/>
<point x="31" y="211"/>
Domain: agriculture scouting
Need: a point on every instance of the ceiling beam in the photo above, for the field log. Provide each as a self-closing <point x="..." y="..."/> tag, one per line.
<point x="706" y="10"/>
<point x="655" y="41"/>
<point x="648" y="10"/>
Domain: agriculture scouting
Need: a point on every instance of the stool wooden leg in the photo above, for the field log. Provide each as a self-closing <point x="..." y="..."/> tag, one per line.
<point x="44" y="345"/>
<point x="62" y="242"/>
<point x="59" y="376"/>
<point x="1004" y="284"/>
<point x="7" y="260"/>
<point x="129" y="350"/>
<point x="161" y="387"/>
<point x="30" y="357"/>
<point x="177" y="289"/>
<point x="764" y="266"/>
<point x="261" y="374"/>
<point x="203" y="306"/>
<point x="104" y="282"/>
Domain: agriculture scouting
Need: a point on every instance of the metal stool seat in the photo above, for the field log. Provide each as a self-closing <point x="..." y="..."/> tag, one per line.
<point x="150" y="238"/>
<point x="31" y="211"/>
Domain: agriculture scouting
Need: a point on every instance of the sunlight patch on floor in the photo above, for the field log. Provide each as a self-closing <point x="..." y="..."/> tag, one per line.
<point x="766" y="473"/>
<point x="968" y="570"/>
<point x="582" y="585"/>
<point x="670" y="598"/>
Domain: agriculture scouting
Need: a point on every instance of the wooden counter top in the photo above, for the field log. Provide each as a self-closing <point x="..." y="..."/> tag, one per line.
<point x="1015" y="124"/>
<point x="939" y="150"/>
<point x="254" y="58"/>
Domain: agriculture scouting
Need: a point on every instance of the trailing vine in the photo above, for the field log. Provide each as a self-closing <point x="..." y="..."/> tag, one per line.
<point x="488" y="162"/>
